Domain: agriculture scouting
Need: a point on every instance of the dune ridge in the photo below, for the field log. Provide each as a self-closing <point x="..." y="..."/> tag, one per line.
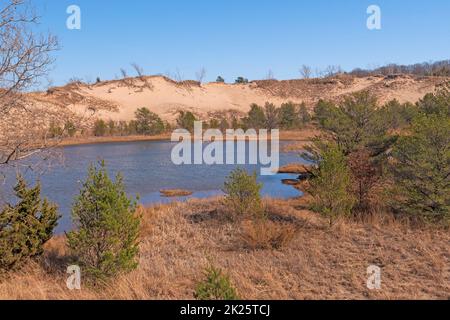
<point x="118" y="99"/>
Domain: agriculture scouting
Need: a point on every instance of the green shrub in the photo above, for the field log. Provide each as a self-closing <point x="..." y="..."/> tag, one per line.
<point x="186" y="120"/>
<point x="241" y="80"/>
<point x="105" y="241"/>
<point x="287" y="116"/>
<point x="55" y="131"/>
<point x="366" y="176"/>
<point x="303" y="114"/>
<point x="70" y="128"/>
<point x="256" y="119"/>
<point x="324" y="112"/>
<point x="421" y="169"/>
<point x="242" y="195"/>
<point x="356" y="123"/>
<point x="112" y="127"/>
<point x="399" y="116"/>
<point x="235" y="123"/>
<point x="100" y="128"/>
<point x="330" y="185"/>
<point x="215" y="286"/>
<point x="132" y="127"/>
<point x="437" y="102"/>
<point x="148" y="123"/>
<point x="213" y="123"/>
<point x="224" y="125"/>
<point x="271" y="115"/>
<point x="25" y="227"/>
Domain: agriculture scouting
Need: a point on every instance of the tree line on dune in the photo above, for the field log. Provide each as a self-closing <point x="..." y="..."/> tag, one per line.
<point x="288" y="116"/>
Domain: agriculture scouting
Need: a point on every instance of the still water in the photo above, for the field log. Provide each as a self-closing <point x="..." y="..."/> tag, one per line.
<point x="147" y="168"/>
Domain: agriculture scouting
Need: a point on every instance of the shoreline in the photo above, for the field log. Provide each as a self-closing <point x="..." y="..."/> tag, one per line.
<point x="302" y="136"/>
<point x="112" y="139"/>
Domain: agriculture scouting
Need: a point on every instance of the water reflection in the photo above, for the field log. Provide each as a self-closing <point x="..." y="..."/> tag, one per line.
<point x="147" y="168"/>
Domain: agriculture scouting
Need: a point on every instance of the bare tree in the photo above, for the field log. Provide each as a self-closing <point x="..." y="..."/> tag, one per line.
<point x="318" y="73"/>
<point x="140" y="73"/>
<point x="270" y="75"/>
<point x="123" y="72"/>
<point x="200" y="75"/>
<point x="178" y="76"/>
<point x="75" y="80"/>
<point x="332" y="70"/>
<point x="175" y="76"/>
<point x="127" y="81"/>
<point x="139" y="70"/>
<point x="88" y="79"/>
<point x="305" y="71"/>
<point x="25" y="58"/>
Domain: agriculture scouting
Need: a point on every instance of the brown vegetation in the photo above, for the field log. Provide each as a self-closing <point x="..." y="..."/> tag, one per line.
<point x="179" y="240"/>
<point x="295" y="168"/>
<point x="175" y="193"/>
<point x="111" y="139"/>
<point x="266" y="234"/>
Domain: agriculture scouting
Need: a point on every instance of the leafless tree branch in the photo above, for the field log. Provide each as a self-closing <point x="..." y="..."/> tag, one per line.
<point x="25" y="58"/>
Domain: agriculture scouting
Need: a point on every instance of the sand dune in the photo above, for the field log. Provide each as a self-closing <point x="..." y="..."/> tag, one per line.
<point x="119" y="99"/>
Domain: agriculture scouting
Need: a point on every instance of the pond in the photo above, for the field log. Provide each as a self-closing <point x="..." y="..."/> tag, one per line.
<point x="147" y="168"/>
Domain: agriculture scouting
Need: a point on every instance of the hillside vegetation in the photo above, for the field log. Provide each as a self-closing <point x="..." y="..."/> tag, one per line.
<point x="119" y="99"/>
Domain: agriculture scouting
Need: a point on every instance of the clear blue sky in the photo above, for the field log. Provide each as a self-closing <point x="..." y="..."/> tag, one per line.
<point x="242" y="37"/>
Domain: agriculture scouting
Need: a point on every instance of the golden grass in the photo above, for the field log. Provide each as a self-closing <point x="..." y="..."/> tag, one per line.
<point x="180" y="239"/>
<point x="301" y="137"/>
<point x="112" y="139"/>
<point x="295" y="168"/>
<point x="266" y="234"/>
<point x="175" y="193"/>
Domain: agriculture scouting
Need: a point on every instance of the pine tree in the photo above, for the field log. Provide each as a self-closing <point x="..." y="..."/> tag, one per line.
<point x="357" y="122"/>
<point x="256" y="118"/>
<point x="105" y="240"/>
<point x="213" y="124"/>
<point x="421" y="169"/>
<point x="271" y="114"/>
<point x="100" y="128"/>
<point x="366" y="175"/>
<point x="25" y="227"/>
<point x="303" y="114"/>
<point x="215" y="286"/>
<point x="186" y="120"/>
<point x="148" y="123"/>
<point x="287" y="116"/>
<point x="330" y="185"/>
<point x="224" y="125"/>
<point x="437" y="102"/>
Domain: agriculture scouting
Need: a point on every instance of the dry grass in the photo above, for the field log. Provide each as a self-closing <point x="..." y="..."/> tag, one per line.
<point x="179" y="240"/>
<point x="112" y="139"/>
<point x="266" y="234"/>
<point x="295" y="168"/>
<point x="304" y="135"/>
<point x="175" y="193"/>
<point x="297" y="137"/>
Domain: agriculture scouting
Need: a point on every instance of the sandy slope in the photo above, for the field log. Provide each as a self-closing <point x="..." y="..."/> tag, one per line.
<point x="119" y="99"/>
